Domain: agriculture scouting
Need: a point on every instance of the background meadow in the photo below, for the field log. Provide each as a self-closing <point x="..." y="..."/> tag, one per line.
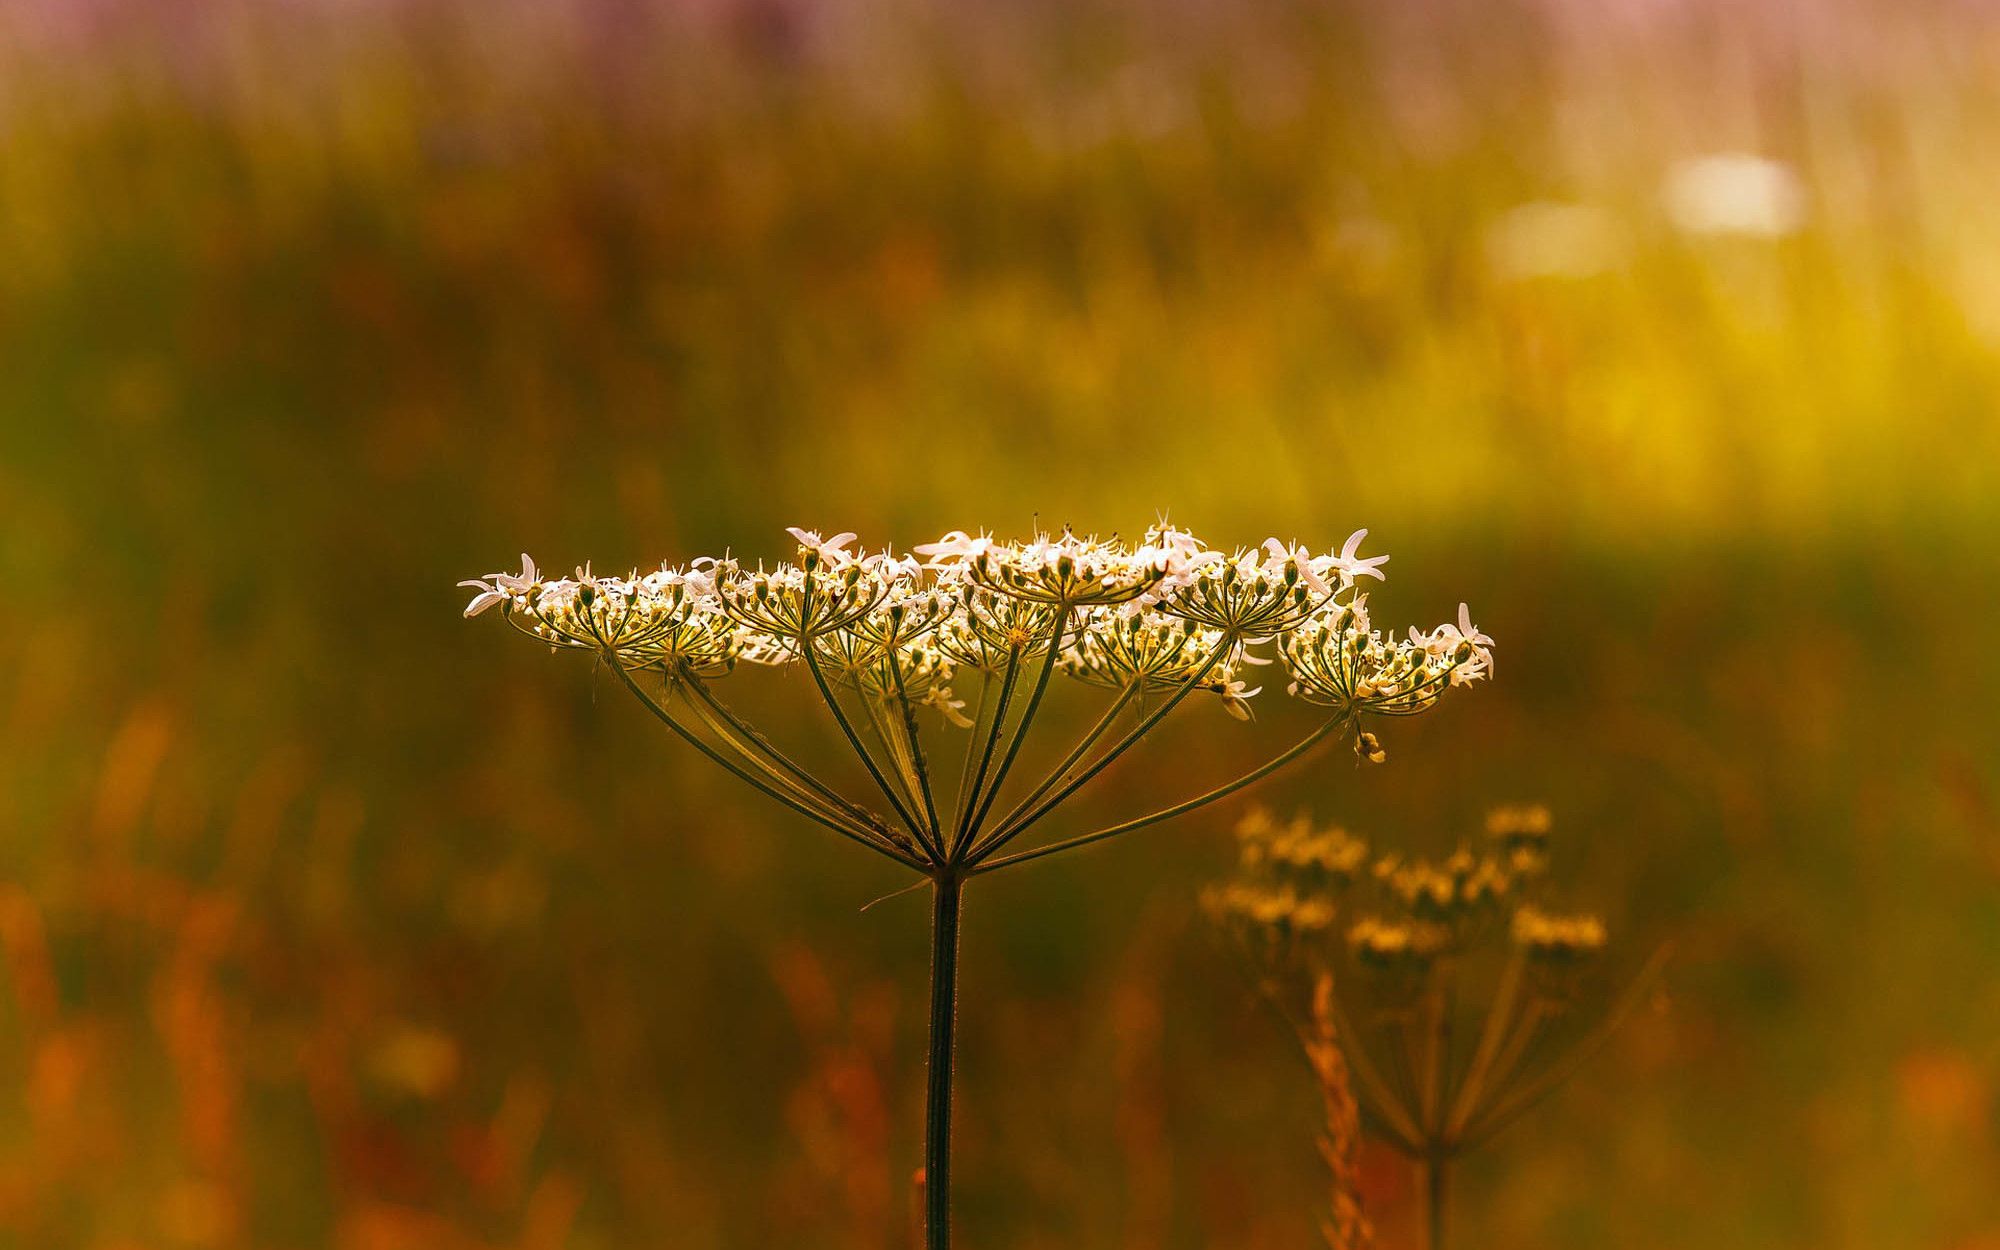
<point x="329" y="919"/>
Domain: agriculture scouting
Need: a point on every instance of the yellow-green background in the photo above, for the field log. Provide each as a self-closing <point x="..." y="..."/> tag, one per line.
<point x="330" y="919"/>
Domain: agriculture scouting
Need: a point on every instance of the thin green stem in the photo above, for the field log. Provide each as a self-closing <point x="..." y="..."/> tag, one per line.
<point x="983" y="863"/>
<point x="1405" y="1069"/>
<point x="1069" y="761"/>
<point x="1512" y="1054"/>
<point x="1375" y="1097"/>
<point x="904" y="774"/>
<point x="1388" y="1108"/>
<point x="937" y="1094"/>
<point x="1021" y="727"/>
<point x="1564" y="1068"/>
<point x="854" y="739"/>
<point x="1437" y="1054"/>
<point x="695" y="740"/>
<point x="978" y="779"/>
<point x="889" y="736"/>
<point x="849" y="813"/>
<point x="916" y="752"/>
<point x="964" y="799"/>
<point x="1437" y="1183"/>
<point x="1498" y="1017"/>
<point x="749" y="732"/>
<point x="1008" y="832"/>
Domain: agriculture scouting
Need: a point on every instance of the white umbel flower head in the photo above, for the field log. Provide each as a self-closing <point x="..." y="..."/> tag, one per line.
<point x="1170" y="613"/>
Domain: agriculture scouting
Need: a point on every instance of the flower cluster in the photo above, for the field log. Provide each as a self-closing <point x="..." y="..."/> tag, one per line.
<point x="1167" y="613"/>
<point x="669" y="617"/>
<point x="1338" y="660"/>
<point x="1557" y="940"/>
<point x="1523" y="836"/>
<point x="1397" y="955"/>
<point x="1293" y="879"/>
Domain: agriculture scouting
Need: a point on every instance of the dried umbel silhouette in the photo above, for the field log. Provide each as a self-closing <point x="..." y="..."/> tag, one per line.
<point x="887" y="640"/>
<point x="1411" y="953"/>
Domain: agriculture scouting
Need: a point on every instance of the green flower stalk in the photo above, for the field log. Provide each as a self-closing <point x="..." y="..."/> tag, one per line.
<point x="887" y="640"/>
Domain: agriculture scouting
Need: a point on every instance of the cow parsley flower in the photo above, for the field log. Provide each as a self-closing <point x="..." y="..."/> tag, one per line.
<point x="1066" y="571"/>
<point x="499" y="588"/>
<point x="1352" y="566"/>
<point x="1338" y="661"/>
<point x="976" y="629"/>
<point x="831" y="552"/>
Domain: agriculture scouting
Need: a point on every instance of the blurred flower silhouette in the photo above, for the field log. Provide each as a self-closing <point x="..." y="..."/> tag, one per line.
<point x="1430" y="948"/>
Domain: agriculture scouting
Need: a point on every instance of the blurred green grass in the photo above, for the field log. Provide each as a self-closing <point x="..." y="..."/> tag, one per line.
<point x="328" y="919"/>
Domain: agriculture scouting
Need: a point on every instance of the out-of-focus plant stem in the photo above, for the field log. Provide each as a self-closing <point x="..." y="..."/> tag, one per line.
<point x="1437" y="1192"/>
